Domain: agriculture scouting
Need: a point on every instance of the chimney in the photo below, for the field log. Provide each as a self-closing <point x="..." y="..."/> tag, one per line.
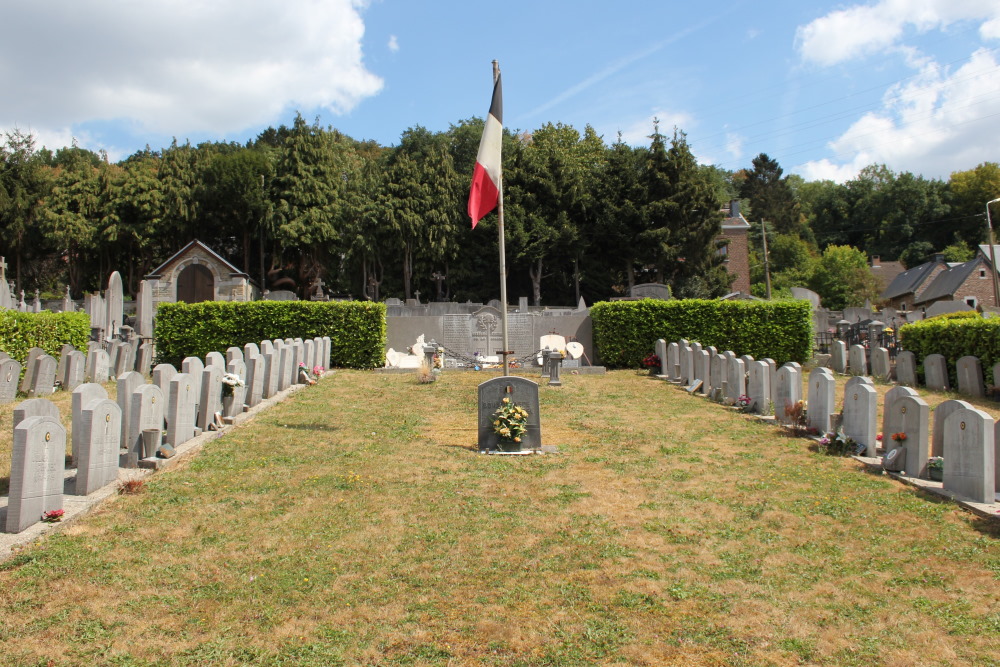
<point x="734" y="208"/>
<point x="937" y="258"/>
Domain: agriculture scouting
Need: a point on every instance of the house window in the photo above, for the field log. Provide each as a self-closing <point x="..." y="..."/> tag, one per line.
<point x="972" y="301"/>
<point x="982" y="273"/>
<point x="902" y="305"/>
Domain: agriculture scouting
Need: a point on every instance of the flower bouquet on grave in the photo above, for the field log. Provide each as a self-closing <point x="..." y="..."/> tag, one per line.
<point x="317" y="371"/>
<point x="510" y="422"/>
<point x="229" y="382"/>
<point x="650" y="363"/>
<point x="899" y="438"/>
<point x="53" y="516"/>
<point x="935" y="468"/>
<point x="743" y="403"/>
<point x="304" y="377"/>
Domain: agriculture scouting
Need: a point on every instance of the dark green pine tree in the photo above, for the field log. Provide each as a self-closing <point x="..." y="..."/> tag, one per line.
<point x="772" y="199"/>
<point x="620" y="222"/>
<point x="683" y="220"/>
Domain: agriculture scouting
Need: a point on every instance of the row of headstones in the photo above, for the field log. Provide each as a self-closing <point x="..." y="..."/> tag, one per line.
<point x="724" y="377"/>
<point x="968" y="369"/>
<point x="43" y="374"/>
<point x="173" y="408"/>
<point x="968" y="436"/>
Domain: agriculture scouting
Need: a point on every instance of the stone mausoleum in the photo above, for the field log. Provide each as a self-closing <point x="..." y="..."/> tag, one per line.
<point x="197" y="273"/>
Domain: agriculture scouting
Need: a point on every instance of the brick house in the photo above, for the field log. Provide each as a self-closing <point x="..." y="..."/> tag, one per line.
<point x="970" y="282"/>
<point x="909" y="286"/>
<point x="735" y="232"/>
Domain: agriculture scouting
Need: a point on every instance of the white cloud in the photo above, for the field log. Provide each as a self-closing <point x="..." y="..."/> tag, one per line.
<point x="179" y="66"/>
<point x="393" y="44"/>
<point x="861" y="30"/>
<point x="935" y="123"/>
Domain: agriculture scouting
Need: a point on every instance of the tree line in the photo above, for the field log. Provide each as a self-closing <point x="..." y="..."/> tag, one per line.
<point x="583" y="218"/>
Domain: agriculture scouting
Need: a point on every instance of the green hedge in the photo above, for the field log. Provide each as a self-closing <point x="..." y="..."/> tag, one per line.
<point x="626" y="331"/>
<point x="19" y="332"/>
<point x="954" y="338"/>
<point x="356" y="328"/>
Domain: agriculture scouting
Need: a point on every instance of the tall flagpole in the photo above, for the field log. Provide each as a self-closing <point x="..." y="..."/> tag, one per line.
<point x="503" y="255"/>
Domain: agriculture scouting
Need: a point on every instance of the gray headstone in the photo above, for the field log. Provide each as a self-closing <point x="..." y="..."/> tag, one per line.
<point x="193" y="366"/>
<point x="913" y="417"/>
<point x="211" y="396"/>
<point x="147" y="406"/>
<point x="860" y="415"/>
<point x="233" y="353"/>
<point x="881" y="368"/>
<point x="327" y="353"/>
<point x="145" y="359"/>
<point x="661" y="352"/>
<point x="941" y="414"/>
<point x="270" y="373"/>
<point x="34" y="407"/>
<point x="36" y="472"/>
<point x="856" y="361"/>
<point x="75" y="370"/>
<point x="735" y="380"/>
<point x="162" y="375"/>
<point x="43" y="381"/>
<point x="61" y="365"/>
<point x="787" y="391"/>
<point x="310" y="354"/>
<point x="673" y="365"/>
<point x="821" y="399"/>
<point x="265" y="347"/>
<point x="10" y="372"/>
<point x="127" y="384"/>
<point x="98" y="366"/>
<point x="906" y="369"/>
<point x="759" y="386"/>
<point x="235" y="406"/>
<point x="29" y="367"/>
<point x="970" y="455"/>
<point x="115" y="301"/>
<point x="687" y="364"/>
<point x="298" y="357"/>
<point x="936" y="372"/>
<point x="838" y="356"/>
<point x="521" y="392"/>
<point x="890" y="424"/>
<point x="772" y="369"/>
<point x="747" y="360"/>
<point x="970" y="376"/>
<point x="97" y="452"/>
<point x="144" y="310"/>
<point x="284" y="367"/>
<point x="83" y="396"/>
<point x="701" y="367"/>
<point x="716" y="375"/>
<point x="214" y="358"/>
<point x="124" y="361"/>
<point x="181" y="409"/>
<point x="250" y="350"/>
<point x="255" y="380"/>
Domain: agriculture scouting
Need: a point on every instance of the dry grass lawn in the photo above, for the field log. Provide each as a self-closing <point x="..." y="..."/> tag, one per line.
<point x="356" y="524"/>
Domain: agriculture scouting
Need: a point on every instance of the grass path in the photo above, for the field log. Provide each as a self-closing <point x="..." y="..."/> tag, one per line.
<point x="354" y="524"/>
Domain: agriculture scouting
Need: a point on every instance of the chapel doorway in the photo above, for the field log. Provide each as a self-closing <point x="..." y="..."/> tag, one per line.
<point x="195" y="284"/>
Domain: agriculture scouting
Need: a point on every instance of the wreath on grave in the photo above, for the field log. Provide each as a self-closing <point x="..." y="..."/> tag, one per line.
<point x="510" y="422"/>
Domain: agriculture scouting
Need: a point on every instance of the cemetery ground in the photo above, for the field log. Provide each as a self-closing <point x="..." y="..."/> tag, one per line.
<point x="354" y="523"/>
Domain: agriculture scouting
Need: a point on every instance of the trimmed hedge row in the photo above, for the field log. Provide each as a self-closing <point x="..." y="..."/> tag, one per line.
<point x="19" y="332"/>
<point x="626" y="331"/>
<point x="356" y="328"/>
<point x="954" y="338"/>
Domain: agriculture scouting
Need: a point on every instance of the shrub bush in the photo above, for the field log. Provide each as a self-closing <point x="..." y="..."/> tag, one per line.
<point x="954" y="337"/>
<point x="626" y="331"/>
<point x="19" y="332"/>
<point x="356" y="328"/>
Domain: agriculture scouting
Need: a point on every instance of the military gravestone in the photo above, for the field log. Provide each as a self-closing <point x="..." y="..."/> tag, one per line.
<point x="521" y="392"/>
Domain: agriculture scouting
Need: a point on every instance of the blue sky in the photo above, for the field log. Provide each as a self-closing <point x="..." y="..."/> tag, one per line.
<point x="825" y="88"/>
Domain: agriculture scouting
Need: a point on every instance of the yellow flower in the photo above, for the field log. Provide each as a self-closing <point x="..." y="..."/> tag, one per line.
<point x="506" y="400"/>
<point x="517" y="440"/>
